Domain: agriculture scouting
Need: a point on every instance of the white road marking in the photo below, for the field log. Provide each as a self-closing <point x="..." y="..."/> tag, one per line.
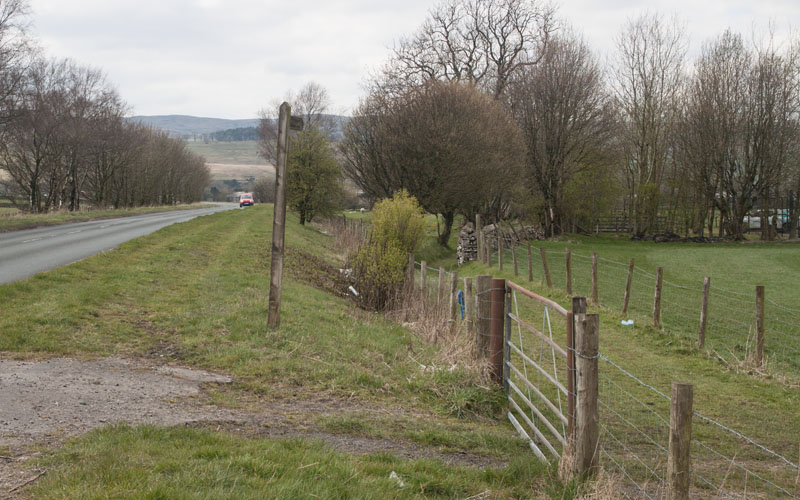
<point x="30" y="241"/>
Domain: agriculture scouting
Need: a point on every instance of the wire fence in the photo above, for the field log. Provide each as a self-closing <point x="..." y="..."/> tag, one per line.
<point x="634" y="416"/>
<point x="730" y="333"/>
<point x="634" y="443"/>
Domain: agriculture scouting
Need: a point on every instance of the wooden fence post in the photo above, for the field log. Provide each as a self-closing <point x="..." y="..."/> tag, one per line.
<point x="701" y="337"/>
<point x="514" y="258"/>
<point x="587" y="421"/>
<point x="279" y="221"/>
<point x="568" y="267"/>
<point x="454" y="297"/>
<point x="488" y="253"/>
<point x="627" y="297"/>
<point x="499" y="249"/>
<point x="469" y="306"/>
<point x="595" y="299"/>
<point x="530" y="263"/>
<point x="441" y="288"/>
<point x="680" y="439"/>
<point x="423" y="288"/>
<point x="506" y="339"/>
<point x="546" y="269"/>
<point x="498" y="310"/>
<point x="759" y="354"/>
<point x="657" y="298"/>
<point x="483" y="318"/>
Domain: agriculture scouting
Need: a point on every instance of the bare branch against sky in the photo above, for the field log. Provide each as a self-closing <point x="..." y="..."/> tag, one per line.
<point x="228" y="58"/>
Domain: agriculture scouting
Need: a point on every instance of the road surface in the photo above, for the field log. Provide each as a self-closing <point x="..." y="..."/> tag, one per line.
<point x="25" y="253"/>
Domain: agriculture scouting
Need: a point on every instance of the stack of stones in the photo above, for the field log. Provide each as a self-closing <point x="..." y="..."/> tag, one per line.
<point x="467" y="249"/>
<point x="520" y="234"/>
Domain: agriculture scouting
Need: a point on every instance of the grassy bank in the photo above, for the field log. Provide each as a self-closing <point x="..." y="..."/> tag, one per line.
<point x="12" y="219"/>
<point x="196" y="294"/>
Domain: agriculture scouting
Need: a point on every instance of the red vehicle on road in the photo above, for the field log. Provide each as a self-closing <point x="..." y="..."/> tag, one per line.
<point x="246" y="199"/>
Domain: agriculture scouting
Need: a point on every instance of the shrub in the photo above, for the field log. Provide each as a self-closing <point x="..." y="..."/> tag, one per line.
<point x="399" y="219"/>
<point x="379" y="265"/>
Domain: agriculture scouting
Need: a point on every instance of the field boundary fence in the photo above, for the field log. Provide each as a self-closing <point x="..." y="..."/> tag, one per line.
<point x="559" y="383"/>
<point x="738" y="328"/>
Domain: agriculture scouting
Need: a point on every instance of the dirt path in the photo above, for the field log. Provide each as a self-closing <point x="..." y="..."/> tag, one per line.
<point x="42" y="403"/>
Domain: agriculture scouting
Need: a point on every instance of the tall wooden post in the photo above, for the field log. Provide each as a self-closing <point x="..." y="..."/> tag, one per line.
<point x="498" y="309"/>
<point x="626" y="299"/>
<point x="530" y="263"/>
<point x="759" y="354"/>
<point x="488" y="253"/>
<point x="701" y="337"/>
<point x="454" y="297"/>
<point x="279" y="220"/>
<point x="506" y="339"/>
<point x="483" y="316"/>
<point x="657" y="298"/>
<point x="546" y="269"/>
<point x="680" y="440"/>
<point x="595" y="299"/>
<point x="587" y="421"/>
<point x="568" y="266"/>
<point x="469" y="305"/>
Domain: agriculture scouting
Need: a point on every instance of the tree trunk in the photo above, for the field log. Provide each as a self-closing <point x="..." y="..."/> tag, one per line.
<point x="444" y="236"/>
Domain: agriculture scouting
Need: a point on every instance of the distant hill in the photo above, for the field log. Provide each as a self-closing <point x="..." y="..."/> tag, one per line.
<point x="189" y="127"/>
<point x="199" y="128"/>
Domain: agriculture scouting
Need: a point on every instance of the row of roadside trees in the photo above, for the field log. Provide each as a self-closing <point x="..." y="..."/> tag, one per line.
<point x="65" y="140"/>
<point x="498" y="108"/>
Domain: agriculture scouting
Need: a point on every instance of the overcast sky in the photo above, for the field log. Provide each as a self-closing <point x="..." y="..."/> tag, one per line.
<point x="230" y="58"/>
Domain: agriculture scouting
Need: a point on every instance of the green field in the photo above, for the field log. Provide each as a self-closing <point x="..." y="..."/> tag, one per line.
<point x="237" y="153"/>
<point x="200" y="288"/>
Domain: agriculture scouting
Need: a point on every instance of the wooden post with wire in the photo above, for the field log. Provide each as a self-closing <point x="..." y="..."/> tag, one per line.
<point x="627" y="297"/>
<point x="680" y="441"/>
<point x="657" y="298"/>
<point x="759" y="354"/>
<point x="568" y="267"/>
<point x="585" y="450"/>
<point x="701" y="336"/>
<point x="498" y="311"/>
<point x="546" y="269"/>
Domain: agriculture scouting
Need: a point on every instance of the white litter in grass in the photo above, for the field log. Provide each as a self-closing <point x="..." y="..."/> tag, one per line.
<point x="627" y="322"/>
<point x="353" y="291"/>
<point x="396" y="478"/>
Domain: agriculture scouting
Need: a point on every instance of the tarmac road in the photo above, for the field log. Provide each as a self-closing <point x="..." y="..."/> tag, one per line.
<point x="25" y="253"/>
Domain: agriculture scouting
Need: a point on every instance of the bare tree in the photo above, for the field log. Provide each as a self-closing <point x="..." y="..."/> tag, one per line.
<point x="741" y="126"/>
<point x="311" y="103"/>
<point x="647" y="82"/>
<point x="482" y="42"/>
<point x="563" y="111"/>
